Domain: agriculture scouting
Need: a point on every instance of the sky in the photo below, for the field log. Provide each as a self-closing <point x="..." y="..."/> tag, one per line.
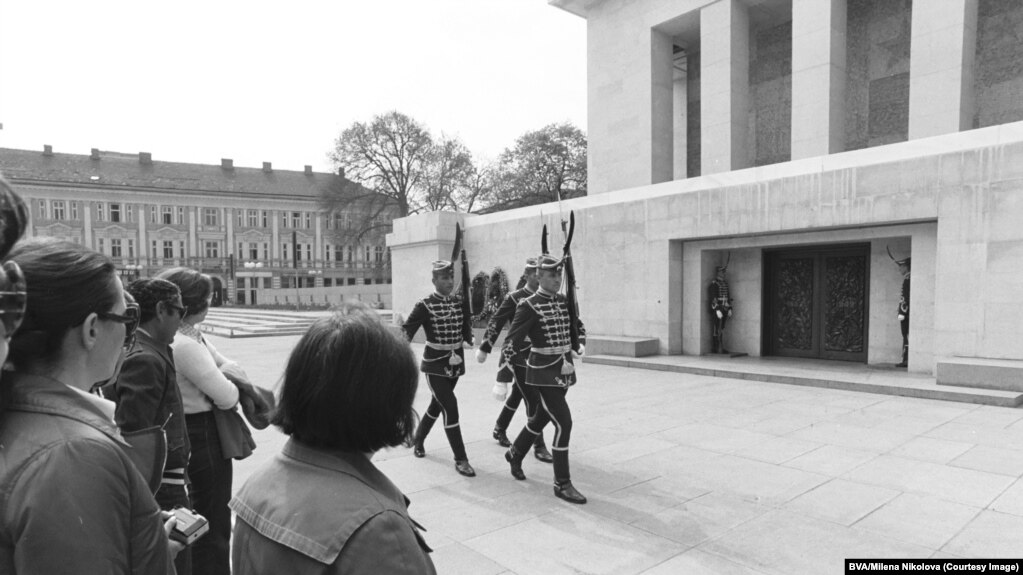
<point x="256" y="81"/>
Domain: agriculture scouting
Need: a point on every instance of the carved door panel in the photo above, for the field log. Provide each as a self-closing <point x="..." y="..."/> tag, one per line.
<point x="815" y="303"/>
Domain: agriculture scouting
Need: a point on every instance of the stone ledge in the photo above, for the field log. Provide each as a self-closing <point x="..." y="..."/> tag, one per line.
<point x="1003" y="374"/>
<point x="622" y="346"/>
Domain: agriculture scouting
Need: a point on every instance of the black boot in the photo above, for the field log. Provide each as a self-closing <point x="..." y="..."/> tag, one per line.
<point x="905" y="357"/>
<point x="514" y="459"/>
<point x="715" y="344"/>
<point x="501" y="437"/>
<point x="721" y="344"/>
<point x="540" y="450"/>
<point x="565" y="490"/>
<point x="425" y="424"/>
<point x="462" y="466"/>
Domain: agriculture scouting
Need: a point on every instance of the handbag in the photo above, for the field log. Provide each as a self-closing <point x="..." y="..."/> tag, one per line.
<point x="235" y="438"/>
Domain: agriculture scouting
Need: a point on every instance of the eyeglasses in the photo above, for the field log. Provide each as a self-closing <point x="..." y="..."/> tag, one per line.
<point x="180" y="309"/>
<point x="13" y="297"/>
<point x="130" y="319"/>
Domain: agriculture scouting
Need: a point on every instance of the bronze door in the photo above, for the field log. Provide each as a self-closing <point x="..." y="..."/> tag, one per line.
<point x="815" y="302"/>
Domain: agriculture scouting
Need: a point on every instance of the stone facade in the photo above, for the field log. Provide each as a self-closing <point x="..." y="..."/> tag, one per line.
<point x="647" y="244"/>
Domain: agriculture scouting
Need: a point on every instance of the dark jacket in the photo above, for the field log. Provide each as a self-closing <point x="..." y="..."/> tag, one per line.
<point x="441" y="319"/>
<point x="147" y="394"/>
<point x="543" y="318"/>
<point x="71" y="500"/>
<point x="314" y="511"/>
<point x="504" y="314"/>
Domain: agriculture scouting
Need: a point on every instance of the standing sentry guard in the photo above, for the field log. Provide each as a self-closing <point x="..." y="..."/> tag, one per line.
<point x="720" y="307"/>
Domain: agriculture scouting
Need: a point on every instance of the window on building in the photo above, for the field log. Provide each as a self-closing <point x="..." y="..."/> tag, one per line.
<point x="241" y="218"/>
<point x="351" y="253"/>
<point x="284" y="219"/>
<point x="41" y="209"/>
<point x="209" y="217"/>
<point x="212" y="249"/>
<point x="153" y="252"/>
<point x="115" y="248"/>
<point x="58" y="209"/>
<point x="309" y="252"/>
<point x="253" y="216"/>
<point x="266" y="251"/>
<point x="100" y="211"/>
<point x="253" y="251"/>
<point x="131" y="249"/>
<point x="296" y="219"/>
<point x="74" y="210"/>
<point x="152" y="214"/>
<point x="179" y="215"/>
<point x="129" y="213"/>
<point x="268" y="283"/>
<point x="168" y="249"/>
<point x="181" y="249"/>
<point x="115" y="212"/>
<point x="168" y="215"/>
<point x="351" y="281"/>
<point x="265" y="216"/>
<point x="308" y="220"/>
<point x="379" y="255"/>
<point x="101" y="245"/>
<point x="339" y="253"/>
<point x="368" y="249"/>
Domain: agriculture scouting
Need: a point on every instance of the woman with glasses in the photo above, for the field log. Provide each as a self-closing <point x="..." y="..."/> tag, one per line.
<point x="71" y="499"/>
<point x="204" y="387"/>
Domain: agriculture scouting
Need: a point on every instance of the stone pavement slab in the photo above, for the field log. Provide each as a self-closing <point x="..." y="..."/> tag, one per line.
<point x="697" y="474"/>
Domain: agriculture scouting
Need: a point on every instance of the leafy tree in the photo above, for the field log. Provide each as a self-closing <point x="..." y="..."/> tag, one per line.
<point x="543" y="166"/>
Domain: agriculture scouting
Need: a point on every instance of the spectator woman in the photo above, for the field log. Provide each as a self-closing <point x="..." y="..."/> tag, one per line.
<point x="204" y="387"/>
<point x="71" y="500"/>
<point x="321" y="506"/>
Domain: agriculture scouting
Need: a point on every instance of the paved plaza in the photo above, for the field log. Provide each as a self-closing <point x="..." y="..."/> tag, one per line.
<point x="696" y="474"/>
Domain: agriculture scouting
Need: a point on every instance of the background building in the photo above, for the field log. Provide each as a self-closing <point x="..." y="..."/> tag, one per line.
<point x="802" y="139"/>
<point x="246" y="227"/>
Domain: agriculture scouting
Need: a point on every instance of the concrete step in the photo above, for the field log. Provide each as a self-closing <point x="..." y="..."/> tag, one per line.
<point x="622" y="345"/>
<point x="981" y="373"/>
<point x="837" y="375"/>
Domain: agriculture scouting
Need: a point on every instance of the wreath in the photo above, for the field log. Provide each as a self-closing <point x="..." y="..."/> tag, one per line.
<point x="495" y="289"/>
<point x="478" y="295"/>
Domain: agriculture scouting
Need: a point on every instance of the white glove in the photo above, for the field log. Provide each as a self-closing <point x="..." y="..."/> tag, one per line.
<point x="481" y="356"/>
<point x="581" y="352"/>
<point x="902" y="317"/>
<point x="500" y="390"/>
<point x="467" y="344"/>
<point x="719" y="314"/>
<point x="729" y="313"/>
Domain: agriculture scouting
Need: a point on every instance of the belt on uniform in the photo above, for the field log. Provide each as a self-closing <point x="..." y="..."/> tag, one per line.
<point x="557" y="350"/>
<point x="444" y="346"/>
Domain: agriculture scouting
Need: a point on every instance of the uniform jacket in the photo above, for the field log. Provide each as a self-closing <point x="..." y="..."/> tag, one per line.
<point x="316" y="511"/>
<point x="543" y="319"/>
<point x="147" y="394"/>
<point x="717" y="293"/>
<point x="904" y="298"/>
<point x="71" y="500"/>
<point x="441" y="319"/>
<point x="504" y="314"/>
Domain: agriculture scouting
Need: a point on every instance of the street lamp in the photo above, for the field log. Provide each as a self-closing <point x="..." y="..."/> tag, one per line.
<point x="132" y="271"/>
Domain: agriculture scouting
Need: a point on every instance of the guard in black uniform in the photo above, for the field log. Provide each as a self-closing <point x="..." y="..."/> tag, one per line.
<point x="440" y="316"/>
<point x="903" y="314"/>
<point x="513" y="371"/>
<point x="720" y="309"/>
<point x="550" y="371"/>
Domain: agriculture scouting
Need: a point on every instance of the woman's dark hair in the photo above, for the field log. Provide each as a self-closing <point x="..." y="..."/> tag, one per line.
<point x="349" y="385"/>
<point x="148" y="292"/>
<point x="66" y="282"/>
<point x="13" y="217"/>
<point x="195" y="287"/>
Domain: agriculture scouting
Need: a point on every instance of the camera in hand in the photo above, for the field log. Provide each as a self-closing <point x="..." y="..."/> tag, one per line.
<point x="190" y="526"/>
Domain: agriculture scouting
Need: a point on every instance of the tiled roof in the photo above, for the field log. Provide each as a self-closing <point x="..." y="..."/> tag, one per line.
<point x="118" y="170"/>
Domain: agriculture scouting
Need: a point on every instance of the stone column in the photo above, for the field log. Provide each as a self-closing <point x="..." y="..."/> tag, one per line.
<point x="943" y="48"/>
<point x="818" y="77"/>
<point x="680" y="102"/>
<point x="724" y="86"/>
<point x="661" y="114"/>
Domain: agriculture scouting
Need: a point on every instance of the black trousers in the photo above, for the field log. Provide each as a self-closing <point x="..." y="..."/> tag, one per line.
<point x="553" y="409"/>
<point x="443" y="402"/>
<point x="211" y="475"/>
<point x="520" y="392"/>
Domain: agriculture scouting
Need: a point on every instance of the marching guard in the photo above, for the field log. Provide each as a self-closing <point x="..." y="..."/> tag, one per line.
<point x="550" y="321"/>
<point x="514" y="370"/>
<point x="720" y="308"/>
<point x="444" y="318"/>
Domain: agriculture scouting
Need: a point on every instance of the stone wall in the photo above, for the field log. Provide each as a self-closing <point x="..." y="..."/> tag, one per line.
<point x="998" y="80"/>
